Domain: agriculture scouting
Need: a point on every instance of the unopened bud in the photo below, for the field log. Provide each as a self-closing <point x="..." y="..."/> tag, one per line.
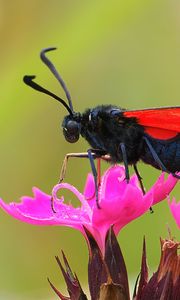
<point x="112" y="291"/>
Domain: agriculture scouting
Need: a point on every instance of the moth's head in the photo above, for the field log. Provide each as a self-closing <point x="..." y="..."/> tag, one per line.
<point x="71" y="128"/>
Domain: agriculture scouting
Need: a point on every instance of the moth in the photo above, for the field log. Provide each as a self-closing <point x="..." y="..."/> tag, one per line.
<point x="118" y="135"/>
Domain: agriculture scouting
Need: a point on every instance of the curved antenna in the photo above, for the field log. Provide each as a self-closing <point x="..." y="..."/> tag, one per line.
<point x="52" y="68"/>
<point x="29" y="81"/>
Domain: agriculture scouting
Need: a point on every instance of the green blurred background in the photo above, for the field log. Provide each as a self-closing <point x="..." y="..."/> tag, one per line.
<point x="125" y="53"/>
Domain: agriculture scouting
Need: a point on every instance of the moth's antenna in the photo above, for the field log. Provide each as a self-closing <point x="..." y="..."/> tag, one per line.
<point x="29" y="81"/>
<point x="52" y="68"/>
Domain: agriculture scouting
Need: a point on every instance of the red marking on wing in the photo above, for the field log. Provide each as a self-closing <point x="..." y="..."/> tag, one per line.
<point x="160" y="123"/>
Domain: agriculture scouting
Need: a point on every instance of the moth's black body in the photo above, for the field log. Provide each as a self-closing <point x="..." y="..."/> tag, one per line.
<point x="109" y="131"/>
<point x="168" y="151"/>
<point x="105" y="128"/>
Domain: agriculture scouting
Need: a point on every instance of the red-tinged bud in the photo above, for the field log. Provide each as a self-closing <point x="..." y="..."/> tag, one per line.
<point x="113" y="291"/>
<point x="170" y="260"/>
<point x="165" y="282"/>
<point x="73" y="286"/>
<point x="107" y="275"/>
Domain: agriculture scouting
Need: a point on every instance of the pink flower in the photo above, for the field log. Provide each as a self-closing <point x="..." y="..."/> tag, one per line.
<point x="175" y="210"/>
<point x="120" y="204"/>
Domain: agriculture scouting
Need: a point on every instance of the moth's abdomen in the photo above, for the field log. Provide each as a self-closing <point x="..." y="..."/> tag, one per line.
<point x="167" y="151"/>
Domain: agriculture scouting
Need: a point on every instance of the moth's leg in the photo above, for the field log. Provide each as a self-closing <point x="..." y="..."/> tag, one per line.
<point x="157" y="159"/>
<point x="95" y="175"/>
<point x="95" y="153"/>
<point x="98" y="171"/>
<point x="139" y="179"/>
<point x="98" y="167"/>
<point x="91" y="154"/>
<point x="63" y="170"/>
<point x="124" y="156"/>
<point x="105" y="157"/>
<point x="52" y="205"/>
<point x="64" y="166"/>
<point x="141" y="183"/>
<point x="65" y="161"/>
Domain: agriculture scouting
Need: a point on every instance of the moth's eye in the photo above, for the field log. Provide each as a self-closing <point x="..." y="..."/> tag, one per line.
<point x="71" y="131"/>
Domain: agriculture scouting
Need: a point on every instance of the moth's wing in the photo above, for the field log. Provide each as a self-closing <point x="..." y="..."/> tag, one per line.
<point x="160" y="123"/>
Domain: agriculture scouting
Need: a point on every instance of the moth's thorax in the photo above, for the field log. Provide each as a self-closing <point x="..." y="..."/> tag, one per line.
<point x="93" y="119"/>
<point x="105" y="127"/>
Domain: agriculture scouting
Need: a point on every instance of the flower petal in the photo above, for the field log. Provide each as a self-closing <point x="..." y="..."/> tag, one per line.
<point x="89" y="191"/>
<point x="162" y="187"/>
<point x="175" y="210"/>
<point x="113" y="183"/>
<point x="38" y="211"/>
<point x="120" y="203"/>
